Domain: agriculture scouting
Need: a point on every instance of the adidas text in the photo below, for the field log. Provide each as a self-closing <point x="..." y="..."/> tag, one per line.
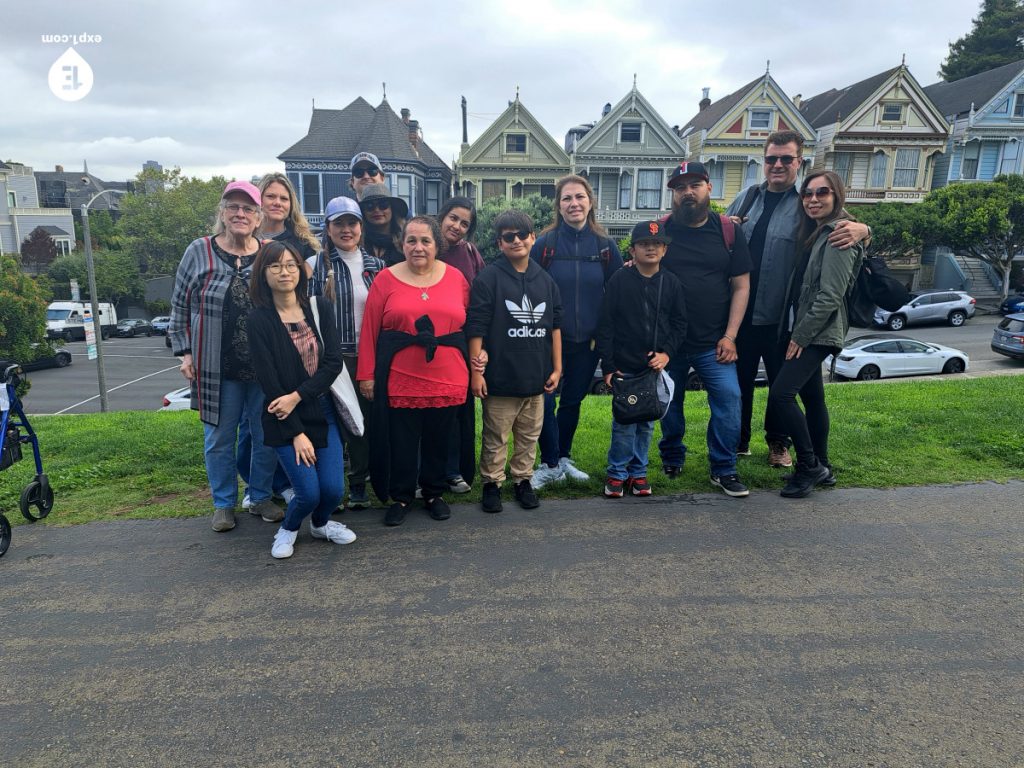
<point x="527" y="333"/>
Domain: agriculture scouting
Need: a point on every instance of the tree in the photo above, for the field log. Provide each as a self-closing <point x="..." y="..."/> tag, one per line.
<point x="22" y="313"/>
<point x="117" y="274"/>
<point x="540" y="209"/>
<point x="104" y="230"/>
<point x="38" y="250"/>
<point x="982" y="220"/>
<point x="168" y="213"/>
<point x="994" y="40"/>
<point x="899" y="229"/>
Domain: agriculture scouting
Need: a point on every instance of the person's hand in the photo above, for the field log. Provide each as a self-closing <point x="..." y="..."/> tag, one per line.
<point x="737" y="220"/>
<point x="478" y="364"/>
<point x="847" y="233"/>
<point x="552" y="382"/>
<point x="366" y="389"/>
<point x="793" y="350"/>
<point x="608" y="378"/>
<point x="283" y="406"/>
<point x="305" y="453"/>
<point x="725" y="350"/>
<point x="187" y="369"/>
<point x="657" y="360"/>
<point x="478" y="385"/>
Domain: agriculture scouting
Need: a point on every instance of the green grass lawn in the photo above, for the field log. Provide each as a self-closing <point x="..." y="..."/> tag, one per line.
<point x="914" y="432"/>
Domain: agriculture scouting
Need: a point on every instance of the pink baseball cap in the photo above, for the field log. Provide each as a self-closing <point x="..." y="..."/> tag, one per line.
<point x="246" y="188"/>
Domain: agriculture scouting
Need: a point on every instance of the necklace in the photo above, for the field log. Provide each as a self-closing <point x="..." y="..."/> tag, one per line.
<point x="424" y="295"/>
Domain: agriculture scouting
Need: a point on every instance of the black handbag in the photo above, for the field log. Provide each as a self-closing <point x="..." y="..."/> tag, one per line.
<point x="642" y="397"/>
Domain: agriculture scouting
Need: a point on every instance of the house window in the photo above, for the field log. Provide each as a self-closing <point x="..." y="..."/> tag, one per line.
<point x="492" y="188"/>
<point x="1018" y="105"/>
<point x="751" y="175"/>
<point x="334" y="185"/>
<point x="294" y="178"/>
<point x="648" y="189"/>
<point x="1011" y="151"/>
<point x="969" y="166"/>
<point x="716" y="175"/>
<point x="515" y="142"/>
<point x="12" y="200"/>
<point x="629" y="132"/>
<point x="905" y="167"/>
<point x="63" y="246"/>
<point x="625" y="189"/>
<point x="892" y="113"/>
<point x="311" y="193"/>
<point x="841" y="163"/>
<point x="433" y="197"/>
<point x="879" y="168"/>
<point x="404" y="189"/>
<point x="760" y="119"/>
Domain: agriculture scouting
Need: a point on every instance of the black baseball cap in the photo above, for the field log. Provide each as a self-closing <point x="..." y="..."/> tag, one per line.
<point x="688" y="168"/>
<point x="650" y="230"/>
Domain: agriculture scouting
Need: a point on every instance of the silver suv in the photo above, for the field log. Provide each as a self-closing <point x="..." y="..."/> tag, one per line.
<point x="953" y="307"/>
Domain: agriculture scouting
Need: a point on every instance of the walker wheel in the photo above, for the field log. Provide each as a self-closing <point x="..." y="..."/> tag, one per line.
<point x="33" y="496"/>
<point x="5" y="534"/>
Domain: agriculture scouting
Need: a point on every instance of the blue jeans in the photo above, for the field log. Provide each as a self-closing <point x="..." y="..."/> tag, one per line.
<point x="320" y="488"/>
<point x="220" y="442"/>
<point x="725" y="401"/>
<point x="556" y="436"/>
<point x="244" y="459"/>
<point x="627" y="454"/>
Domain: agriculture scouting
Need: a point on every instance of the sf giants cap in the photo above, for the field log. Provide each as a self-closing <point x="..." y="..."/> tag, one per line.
<point x="687" y="168"/>
<point x="649" y="230"/>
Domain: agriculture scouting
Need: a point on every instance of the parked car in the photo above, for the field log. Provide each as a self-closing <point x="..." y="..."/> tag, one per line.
<point x="59" y="359"/>
<point x="1008" y="336"/>
<point x="178" y="400"/>
<point x="160" y="324"/>
<point x="1012" y="304"/>
<point x="953" y="307"/>
<point x="132" y="328"/>
<point x="877" y="357"/>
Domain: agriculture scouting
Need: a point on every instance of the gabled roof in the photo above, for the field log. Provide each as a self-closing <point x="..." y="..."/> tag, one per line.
<point x="827" y="107"/>
<point x="79" y="188"/>
<point x="634" y="100"/>
<point x="337" y="134"/>
<point x="956" y="98"/>
<point x="53" y="231"/>
<point x="717" y="110"/>
<point x="516" y="115"/>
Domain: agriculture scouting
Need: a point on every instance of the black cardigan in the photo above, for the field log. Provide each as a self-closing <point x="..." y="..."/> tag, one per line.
<point x="280" y="371"/>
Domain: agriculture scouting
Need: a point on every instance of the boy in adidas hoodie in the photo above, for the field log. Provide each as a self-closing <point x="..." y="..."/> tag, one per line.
<point x="514" y="313"/>
<point x="635" y="301"/>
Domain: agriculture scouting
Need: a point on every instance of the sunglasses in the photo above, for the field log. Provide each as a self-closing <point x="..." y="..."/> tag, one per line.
<point x="381" y="204"/>
<point x="821" y="192"/>
<point x="364" y="171"/>
<point x="510" y="237"/>
<point x="770" y="160"/>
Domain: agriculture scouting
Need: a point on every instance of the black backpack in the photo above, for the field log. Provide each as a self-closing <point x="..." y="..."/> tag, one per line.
<point x="874" y="287"/>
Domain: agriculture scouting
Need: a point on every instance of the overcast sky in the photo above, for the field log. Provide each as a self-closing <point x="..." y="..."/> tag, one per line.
<point x="225" y="87"/>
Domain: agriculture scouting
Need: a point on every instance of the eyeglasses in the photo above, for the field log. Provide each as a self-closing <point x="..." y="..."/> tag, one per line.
<point x="236" y="207"/>
<point x="287" y="266"/>
<point x="378" y="204"/>
<point x="771" y="160"/>
<point x="364" y="171"/>
<point x="821" y="192"/>
<point x="510" y="237"/>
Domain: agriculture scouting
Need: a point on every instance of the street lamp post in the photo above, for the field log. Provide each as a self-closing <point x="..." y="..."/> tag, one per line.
<point x="97" y="326"/>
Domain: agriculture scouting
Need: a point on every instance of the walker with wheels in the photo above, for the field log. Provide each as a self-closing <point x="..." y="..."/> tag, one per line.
<point x="37" y="497"/>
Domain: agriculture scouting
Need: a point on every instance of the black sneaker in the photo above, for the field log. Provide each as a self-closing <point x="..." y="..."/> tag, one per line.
<point x="804" y="481"/>
<point x="731" y="485"/>
<point x="491" y="501"/>
<point x="438" y="508"/>
<point x="395" y="514"/>
<point x="525" y="495"/>
<point x="829" y="481"/>
<point x="671" y="470"/>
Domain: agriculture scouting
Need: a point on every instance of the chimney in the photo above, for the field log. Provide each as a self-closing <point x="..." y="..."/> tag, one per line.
<point x="414" y="135"/>
<point x="607" y="109"/>
<point x="465" y="129"/>
<point x="59" y="168"/>
<point x="798" y="100"/>
<point x="705" y="101"/>
<point x="405" y="115"/>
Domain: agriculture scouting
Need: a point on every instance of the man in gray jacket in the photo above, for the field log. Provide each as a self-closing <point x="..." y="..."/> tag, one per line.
<point x="770" y="214"/>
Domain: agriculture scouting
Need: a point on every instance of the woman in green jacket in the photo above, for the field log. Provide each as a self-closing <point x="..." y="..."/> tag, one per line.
<point x="816" y="309"/>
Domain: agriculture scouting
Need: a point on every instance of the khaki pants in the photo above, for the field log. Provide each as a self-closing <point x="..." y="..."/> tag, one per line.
<point x="523" y="418"/>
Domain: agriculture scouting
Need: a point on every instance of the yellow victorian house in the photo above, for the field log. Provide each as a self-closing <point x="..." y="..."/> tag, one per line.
<point x="728" y="135"/>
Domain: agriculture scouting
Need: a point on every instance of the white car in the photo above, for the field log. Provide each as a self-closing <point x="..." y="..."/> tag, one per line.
<point x="875" y="357"/>
<point x="178" y="400"/>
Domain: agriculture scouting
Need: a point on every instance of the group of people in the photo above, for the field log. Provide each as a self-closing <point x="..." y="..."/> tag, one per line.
<point x="271" y="321"/>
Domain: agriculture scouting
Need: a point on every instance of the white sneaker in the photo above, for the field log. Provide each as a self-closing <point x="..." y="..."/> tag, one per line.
<point x="458" y="484"/>
<point x="284" y="544"/>
<point x="571" y="471"/>
<point x="545" y="475"/>
<point x="288" y="494"/>
<point x="246" y="502"/>
<point x="332" y="531"/>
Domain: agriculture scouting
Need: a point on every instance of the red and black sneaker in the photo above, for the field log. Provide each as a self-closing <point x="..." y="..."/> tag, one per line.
<point x="613" y="488"/>
<point x="638" y="486"/>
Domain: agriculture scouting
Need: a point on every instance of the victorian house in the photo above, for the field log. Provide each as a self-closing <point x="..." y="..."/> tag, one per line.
<point x="627" y="155"/>
<point x="514" y="157"/>
<point x="318" y="164"/>
<point x="728" y="135"/>
<point x="21" y="211"/>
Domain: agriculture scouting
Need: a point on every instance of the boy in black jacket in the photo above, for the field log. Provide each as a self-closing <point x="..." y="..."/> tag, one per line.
<point x="514" y="313"/>
<point x="634" y="301"/>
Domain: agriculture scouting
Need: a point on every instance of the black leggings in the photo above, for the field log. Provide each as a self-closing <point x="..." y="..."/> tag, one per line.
<point x="802" y="375"/>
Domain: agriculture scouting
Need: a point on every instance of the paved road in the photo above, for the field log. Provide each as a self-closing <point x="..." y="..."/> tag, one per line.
<point x="854" y="628"/>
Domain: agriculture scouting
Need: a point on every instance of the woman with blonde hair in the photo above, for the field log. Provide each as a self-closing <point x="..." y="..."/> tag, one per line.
<point x="283" y="219"/>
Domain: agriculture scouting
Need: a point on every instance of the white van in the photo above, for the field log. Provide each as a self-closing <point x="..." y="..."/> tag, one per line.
<point x="66" y="319"/>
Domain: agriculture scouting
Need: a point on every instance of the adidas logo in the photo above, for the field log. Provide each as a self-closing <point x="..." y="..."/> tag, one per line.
<point x="527" y="314"/>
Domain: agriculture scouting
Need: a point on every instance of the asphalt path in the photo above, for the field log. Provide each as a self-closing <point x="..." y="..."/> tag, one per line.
<point x="852" y="628"/>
